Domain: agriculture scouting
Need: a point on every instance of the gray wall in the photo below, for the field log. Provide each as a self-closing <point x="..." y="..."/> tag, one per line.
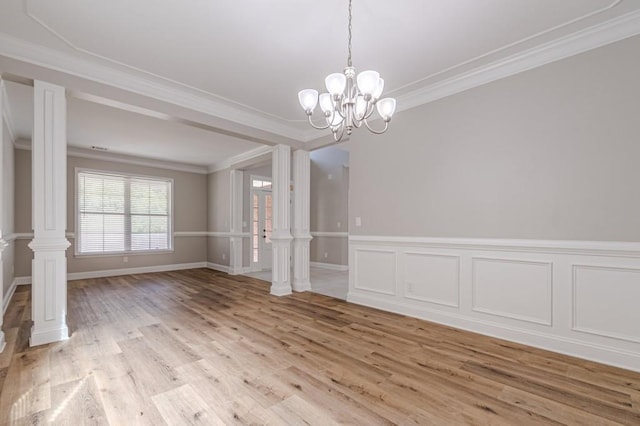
<point x="8" y="178"/>
<point x="329" y="204"/>
<point x="552" y="153"/>
<point x="218" y="211"/>
<point x="189" y="214"/>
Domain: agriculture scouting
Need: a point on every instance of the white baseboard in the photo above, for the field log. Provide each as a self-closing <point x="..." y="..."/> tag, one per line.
<point x="576" y="298"/>
<point x="9" y="295"/>
<point x="22" y="280"/>
<point x="217" y="267"/>
<point x="331" y="266"/>
<point x="130" y="271"/>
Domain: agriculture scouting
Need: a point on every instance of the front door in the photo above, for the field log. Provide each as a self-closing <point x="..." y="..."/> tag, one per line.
<point x="261" y="226"/>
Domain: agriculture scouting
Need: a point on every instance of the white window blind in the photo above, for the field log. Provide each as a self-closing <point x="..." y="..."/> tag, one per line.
<point x="121" y="214"/>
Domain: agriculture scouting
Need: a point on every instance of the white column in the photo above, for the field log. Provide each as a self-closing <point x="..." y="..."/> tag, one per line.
<point x="3" y="243"/>
<point x="235" y="257"/>
<point x="301" y="213"/>
<point x="49" y="164"/>
<point x="281" y="232"/>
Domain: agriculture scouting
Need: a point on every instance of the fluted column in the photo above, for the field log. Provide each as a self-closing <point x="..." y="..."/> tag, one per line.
<point x="235" y="257"/>
<point x="49" y="165"/>
<point x="301" y="213"/>
<point x="281" y="232"/>
<point x="3" y="243"/>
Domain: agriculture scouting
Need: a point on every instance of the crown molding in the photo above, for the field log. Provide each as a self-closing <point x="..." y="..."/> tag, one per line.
<point x="73" y="151"/>
<point x="240" y="158"/>
<point x="607" y="32"/>
<point x="150" y="86"/>
<point x="6" y="111"/>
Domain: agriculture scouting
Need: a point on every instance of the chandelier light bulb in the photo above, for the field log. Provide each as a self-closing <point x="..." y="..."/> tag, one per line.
<point x="368" y="82"/>
<point x="386" y="108"/>
<point x="326" y="104"/>
<point x="361" y="107"/>
<point x="379" y="89"/>
<point x="336" y="83"/>
<point x="308" y="99"/>
<point x="335" y="121"/>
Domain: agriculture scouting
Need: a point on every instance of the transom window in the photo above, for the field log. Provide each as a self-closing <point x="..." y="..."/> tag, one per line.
<point x="122" y="213"/>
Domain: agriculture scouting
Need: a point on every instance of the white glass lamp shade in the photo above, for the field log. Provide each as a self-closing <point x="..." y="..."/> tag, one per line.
<point x="326" y="104"/>
<point x="335" y="120"/>
<point x="336" y="83"/>
<point x="368" y="82"/>
<point x="308" y="99"/>
<point x="379" y="89"/>
<point x="361" y="107"/>
<point x="386" y="108"/>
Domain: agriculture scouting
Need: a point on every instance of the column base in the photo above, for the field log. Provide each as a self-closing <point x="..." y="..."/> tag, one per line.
<point x="42" y="337"/>
<point x="3" y="342"/>
<point x="302" y="285"/>
<point x="280" y="290"/>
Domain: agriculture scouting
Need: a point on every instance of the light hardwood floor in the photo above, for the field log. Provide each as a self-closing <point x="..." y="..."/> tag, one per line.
<point x="202" y="347"/>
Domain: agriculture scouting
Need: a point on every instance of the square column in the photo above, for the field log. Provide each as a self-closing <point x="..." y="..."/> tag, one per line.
<point x="235" y="191"/>
<point x="281" y="232"/>
<point x="49" y="165"/>
<point x="3" y="243"/>
<point x="301" y="213"/>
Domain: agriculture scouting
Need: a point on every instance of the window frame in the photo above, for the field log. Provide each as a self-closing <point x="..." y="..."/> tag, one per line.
<point x="76" y="207"/>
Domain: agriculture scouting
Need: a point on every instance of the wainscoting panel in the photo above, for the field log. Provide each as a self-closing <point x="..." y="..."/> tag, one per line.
<point x="575" y="297"/>
<point x="375" y="271"/>
<point x="515" y="289"/>
<point x="606" y="301"/>
<point x="433" y="278"/>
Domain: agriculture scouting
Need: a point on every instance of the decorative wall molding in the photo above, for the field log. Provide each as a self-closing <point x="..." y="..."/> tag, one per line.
<point x="240" y="158"/>
<point x="22" y="280"/>
<point x="113" y="157"/>
<point x="137" y="270"/>
<point x="330" y="234"/>
<point x="613" y="30"/>
<point x="587" y="248"/>
<point x="9" y="296"/>
<point x="190" y="234"/>
<point x="217" y="267"/>
<point x="227" y="234"/>
<point x="329" y="266"/>
<point x="575" y="298"/>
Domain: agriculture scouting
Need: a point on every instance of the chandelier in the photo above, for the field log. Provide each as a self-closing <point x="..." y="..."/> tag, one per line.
<point x="350" y="100"/>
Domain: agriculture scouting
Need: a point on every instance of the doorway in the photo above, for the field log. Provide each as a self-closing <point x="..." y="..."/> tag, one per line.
<point x="261" y="223"/>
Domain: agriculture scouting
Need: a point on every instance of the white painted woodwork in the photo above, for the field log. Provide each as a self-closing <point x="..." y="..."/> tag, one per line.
<point x="235" y="242"/>
<point x="301" y="218"/>
<point x="281" y="231"/>
<point x="605" y="301"/>
<point x="3" y="243"/>
<point x="49" y="266"/>
<point x="513" y="288"/>
<point x="432" y="278"/>
<point x="574" y="297"/>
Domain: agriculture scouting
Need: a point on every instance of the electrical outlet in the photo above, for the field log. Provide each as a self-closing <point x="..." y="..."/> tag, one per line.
<point x="358" y="221"/>
<point x="409" y="288"/>
<point x="326" y="254"/>
<point x="224" y="256"/>
<point x="125" y="259"/>
<point x="339" y="224"/>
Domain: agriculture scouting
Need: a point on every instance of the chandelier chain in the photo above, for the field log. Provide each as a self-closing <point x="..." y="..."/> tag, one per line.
<point x="349" y="58"/>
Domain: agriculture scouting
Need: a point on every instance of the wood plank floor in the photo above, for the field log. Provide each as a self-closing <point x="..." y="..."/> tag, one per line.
<point x="201" y="347"/>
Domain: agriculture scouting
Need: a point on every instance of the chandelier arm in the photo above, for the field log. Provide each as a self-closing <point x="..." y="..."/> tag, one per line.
<point x="370" y="108"/>
<point x="315" y="126"/>
<point x="335" y="134"/>
<point x="377" y="132"/>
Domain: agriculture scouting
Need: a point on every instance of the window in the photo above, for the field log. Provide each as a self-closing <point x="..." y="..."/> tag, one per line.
<point x="122" y="213"/>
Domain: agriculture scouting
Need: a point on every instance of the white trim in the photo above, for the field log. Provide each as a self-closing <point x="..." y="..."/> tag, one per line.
<point x="601" y="34"/>
<point x="597" y="248"/>
<point x="564" y="345"/>
<point x="217" y="267"/>
<point x="240" y="158"/>
<point x="227" y="234"/>
<point x="190" y="233"/>
<point x="138" y="270"/>
<point x="9" y="296"/>
<point x="330" y="234"/>
<point x="330" y="266"/>
<point x="22" y="280"/>
<point x="149" y="85"/>
<point x="22" y="236"/>
<point x="6" y="111"/>
<point x="9" y="238"/>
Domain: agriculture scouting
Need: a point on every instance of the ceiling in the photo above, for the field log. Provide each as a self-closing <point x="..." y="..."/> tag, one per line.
<point x="239" y="65"/>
